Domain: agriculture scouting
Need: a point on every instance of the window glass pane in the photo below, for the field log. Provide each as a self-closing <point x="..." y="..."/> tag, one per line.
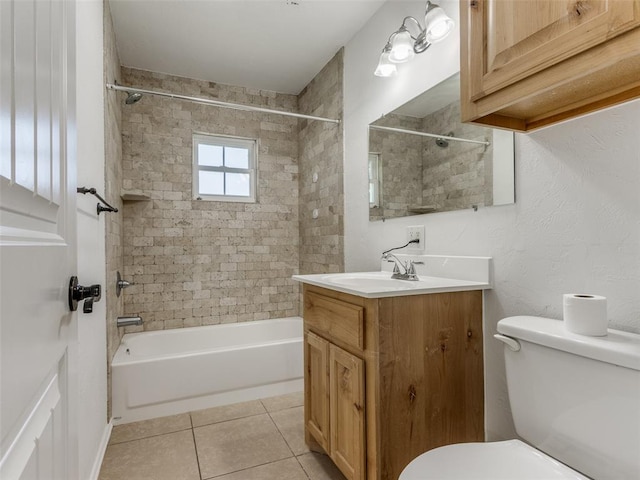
<point x="211" y="183"/>
<point x="238" y="184"/>
<point x="373" y="165"/>
<point x="236" y="157"/>
<point x="210" y="155"/>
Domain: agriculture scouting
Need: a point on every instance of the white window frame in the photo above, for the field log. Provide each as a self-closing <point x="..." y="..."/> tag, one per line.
<point x="225" y="141"/>
<point x="375" y="183"/>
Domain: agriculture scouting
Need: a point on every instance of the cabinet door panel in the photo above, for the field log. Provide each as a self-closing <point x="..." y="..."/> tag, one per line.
<point x="346" y="377"/>
<point x="316" y="378"/>
<point x="512" y="40"/>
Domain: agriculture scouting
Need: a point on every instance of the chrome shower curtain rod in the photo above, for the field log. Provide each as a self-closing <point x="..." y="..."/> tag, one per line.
<point x="423" y="134"/>
<point x="218" y="103"/>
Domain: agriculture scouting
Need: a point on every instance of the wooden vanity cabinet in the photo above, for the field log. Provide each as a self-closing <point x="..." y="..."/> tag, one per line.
<point x="527" y="64"/>
<point x="387" y="379"/>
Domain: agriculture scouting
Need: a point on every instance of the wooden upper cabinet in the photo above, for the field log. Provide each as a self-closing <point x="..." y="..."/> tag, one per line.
<point x="527" y="64"/>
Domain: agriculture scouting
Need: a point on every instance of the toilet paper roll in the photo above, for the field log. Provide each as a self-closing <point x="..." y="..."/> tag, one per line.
<point x="585" y="314"/>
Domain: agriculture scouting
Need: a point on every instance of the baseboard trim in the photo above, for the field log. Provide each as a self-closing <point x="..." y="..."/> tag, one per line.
<point x="97" y="464"/>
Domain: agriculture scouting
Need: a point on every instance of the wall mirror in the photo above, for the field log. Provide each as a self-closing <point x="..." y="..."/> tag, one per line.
<point x="422" y="159"/>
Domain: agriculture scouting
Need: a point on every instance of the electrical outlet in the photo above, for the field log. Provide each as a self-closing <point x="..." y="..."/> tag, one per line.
<point x="415" y="232"/>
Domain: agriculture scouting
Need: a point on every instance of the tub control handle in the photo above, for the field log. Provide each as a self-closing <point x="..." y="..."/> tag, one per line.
<point x="512" y="343"/>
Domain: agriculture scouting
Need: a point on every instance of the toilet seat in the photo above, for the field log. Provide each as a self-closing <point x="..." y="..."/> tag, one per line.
<point x="508" y="460"/>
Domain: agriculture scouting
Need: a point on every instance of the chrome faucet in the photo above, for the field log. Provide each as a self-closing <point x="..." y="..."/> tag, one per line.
<point x="128" y="321"/>
<point x="408" y="267"/>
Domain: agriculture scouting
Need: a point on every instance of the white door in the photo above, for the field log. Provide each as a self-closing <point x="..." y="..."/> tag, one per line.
<point x="37" y="239"/>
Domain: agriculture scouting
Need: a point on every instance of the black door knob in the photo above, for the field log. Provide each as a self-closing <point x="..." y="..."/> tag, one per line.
<point x="77" y="293"/>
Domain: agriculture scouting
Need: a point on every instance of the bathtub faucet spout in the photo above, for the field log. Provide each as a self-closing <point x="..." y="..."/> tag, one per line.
<point x="127" y="321"/>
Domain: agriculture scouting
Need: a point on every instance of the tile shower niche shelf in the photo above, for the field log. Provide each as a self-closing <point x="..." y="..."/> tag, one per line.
<point x="134" y="196"/>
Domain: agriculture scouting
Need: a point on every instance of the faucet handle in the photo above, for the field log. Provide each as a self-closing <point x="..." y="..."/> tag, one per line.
<point x="411" y="269"/>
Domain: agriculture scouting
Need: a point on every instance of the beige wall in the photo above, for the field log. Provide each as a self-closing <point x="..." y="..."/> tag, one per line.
<point x="206" y="262"/>
<point x="321" y="152"/>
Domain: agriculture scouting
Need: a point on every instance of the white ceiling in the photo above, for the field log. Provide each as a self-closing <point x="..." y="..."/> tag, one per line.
<point x="277" y="45"/>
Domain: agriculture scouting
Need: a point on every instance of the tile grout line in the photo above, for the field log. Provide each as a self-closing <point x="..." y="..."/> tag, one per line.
<point x="281" y="435"/>
<point x="248" y="468"/>
<point x="227" y="420"/>
<point x="151" y="436"/>
<point x="285" y="440"/>
<point x="253" y="466"/>
<point x="192" y="426"/>
<point x="303" y="469"/>
<point x="195" y="446"/>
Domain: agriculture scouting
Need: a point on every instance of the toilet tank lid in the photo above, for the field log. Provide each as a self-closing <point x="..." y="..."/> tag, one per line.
<point x="617" y="347"/>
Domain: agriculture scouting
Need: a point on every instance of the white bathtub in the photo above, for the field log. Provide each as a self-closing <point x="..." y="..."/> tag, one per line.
<point x="168" y="372"/>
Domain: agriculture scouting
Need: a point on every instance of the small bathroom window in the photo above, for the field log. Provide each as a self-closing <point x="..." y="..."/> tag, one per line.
<point x="224" y="168"/>
<point x="374" y="180"/>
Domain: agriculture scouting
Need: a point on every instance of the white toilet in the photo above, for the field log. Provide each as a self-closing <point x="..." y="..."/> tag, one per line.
<point x="575" y="400"/>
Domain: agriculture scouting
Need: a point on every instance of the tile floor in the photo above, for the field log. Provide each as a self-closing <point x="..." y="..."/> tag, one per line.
<point x="257" y="440"/>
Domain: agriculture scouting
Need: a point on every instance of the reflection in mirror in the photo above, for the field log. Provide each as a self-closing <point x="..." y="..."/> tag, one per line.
<point x="422" y="159"/>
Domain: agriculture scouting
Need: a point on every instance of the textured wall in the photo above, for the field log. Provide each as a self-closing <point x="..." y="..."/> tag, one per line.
<point x="321" y="152"/>
<point x="113" y="183"/>
<point x="575" y="225"/>
<point x="461" y="174"/>
<point x="206" y="262"/>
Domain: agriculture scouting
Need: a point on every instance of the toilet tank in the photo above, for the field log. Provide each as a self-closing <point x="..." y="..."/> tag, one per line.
<point x="577" y="398"/>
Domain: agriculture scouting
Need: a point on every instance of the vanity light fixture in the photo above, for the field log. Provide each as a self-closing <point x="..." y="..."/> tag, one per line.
<point x="385" y="67"/>
<point x="402" y="46"/>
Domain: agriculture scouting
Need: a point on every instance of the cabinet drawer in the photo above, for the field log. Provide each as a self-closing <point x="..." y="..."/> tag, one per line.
<point x="339" y="321"/>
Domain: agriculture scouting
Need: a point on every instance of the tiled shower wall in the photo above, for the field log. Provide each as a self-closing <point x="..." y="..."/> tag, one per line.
<point x="205" y="262"/>
<point x="113" y="184"/>
<point x="401" y="157"/>
<point x="321" y="153"/>
<point x="461" y="174"/>
<point x="417" y="172"/>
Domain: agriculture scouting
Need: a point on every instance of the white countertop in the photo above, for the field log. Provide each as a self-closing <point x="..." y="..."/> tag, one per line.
<point x="436" y="274"/>
<point x="380" y="284"/>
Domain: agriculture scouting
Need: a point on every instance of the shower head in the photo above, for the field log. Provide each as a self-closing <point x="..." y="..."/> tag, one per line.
<point x="442" y="142"/>
<point x="133" y="98"/>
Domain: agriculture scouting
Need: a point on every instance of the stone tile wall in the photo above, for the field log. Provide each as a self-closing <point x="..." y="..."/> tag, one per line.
<point x="401" y="157"/>
<point x="206" y="262"/>
<point x="113" y="183"/>
<point x="460" y="175"/>
<point x="417" y="172"/>
<point x="321" y="152"/>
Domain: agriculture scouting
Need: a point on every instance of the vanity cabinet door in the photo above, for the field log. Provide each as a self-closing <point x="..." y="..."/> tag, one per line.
<point x="316" y="379"/>
<point x="346" y="377"/>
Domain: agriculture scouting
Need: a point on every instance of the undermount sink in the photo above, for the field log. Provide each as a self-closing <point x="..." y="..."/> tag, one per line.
<point x="436" y="274"/>
<point x="372" y="280"/>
